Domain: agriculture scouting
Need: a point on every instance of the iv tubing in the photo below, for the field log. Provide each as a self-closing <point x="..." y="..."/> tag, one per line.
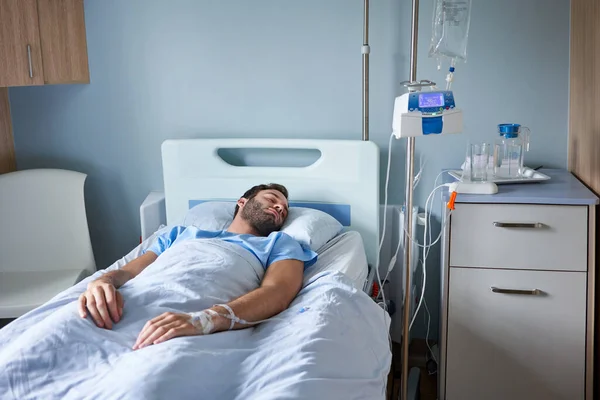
<point x="450" y="76"/>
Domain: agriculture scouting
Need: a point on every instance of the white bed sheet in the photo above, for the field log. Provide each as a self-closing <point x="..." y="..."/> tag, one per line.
<point x="344" y="253"/>
<point x="331" y="343"/>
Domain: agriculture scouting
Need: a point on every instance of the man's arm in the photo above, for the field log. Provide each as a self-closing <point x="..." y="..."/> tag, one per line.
<point x="119" y="277"/>
<point x="102" y="300"/>
<point x="279" y="287"/>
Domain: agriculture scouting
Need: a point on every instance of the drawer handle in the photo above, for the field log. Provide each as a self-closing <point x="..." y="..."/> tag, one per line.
<point x="529" y="292"/>
<point x="29" y="59"/>
<point x="530" y="225"/>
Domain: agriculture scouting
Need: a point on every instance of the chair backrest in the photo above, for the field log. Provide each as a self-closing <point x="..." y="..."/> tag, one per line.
<point x="43" y="223"/>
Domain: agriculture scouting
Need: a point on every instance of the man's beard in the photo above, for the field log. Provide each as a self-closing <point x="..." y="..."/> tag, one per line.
<point x="261" y="221"/>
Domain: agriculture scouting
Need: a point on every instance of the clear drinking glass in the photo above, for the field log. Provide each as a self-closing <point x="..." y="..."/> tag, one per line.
<point x="479" y="158"/>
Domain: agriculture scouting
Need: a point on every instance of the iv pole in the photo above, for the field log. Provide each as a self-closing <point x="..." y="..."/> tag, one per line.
<point x="410" y="153"/>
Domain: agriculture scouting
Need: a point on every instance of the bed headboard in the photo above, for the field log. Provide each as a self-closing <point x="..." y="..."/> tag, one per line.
<point x="343" y="181"/>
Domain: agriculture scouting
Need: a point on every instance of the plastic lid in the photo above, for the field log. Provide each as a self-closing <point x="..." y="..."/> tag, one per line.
<point x="509" y="131"/>
<point x="509" y="128"/>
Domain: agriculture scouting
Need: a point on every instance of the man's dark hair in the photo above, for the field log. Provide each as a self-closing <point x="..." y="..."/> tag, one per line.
<point x="253" y="191"/>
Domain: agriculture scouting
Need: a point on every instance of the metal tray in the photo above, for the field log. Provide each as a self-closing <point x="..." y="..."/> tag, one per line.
<point x="531" y="176"/>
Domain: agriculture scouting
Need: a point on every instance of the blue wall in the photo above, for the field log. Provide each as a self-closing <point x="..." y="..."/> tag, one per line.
<point x="273" y="68"/>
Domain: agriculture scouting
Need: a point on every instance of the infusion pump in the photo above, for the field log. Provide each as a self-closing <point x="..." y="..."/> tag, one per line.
<point x="426" y="113"/>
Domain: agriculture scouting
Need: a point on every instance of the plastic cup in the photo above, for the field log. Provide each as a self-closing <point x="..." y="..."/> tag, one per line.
<point x="479" y="158"/>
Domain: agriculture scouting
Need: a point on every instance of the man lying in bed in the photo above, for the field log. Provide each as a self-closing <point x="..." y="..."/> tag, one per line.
<point x="259" y="215"/>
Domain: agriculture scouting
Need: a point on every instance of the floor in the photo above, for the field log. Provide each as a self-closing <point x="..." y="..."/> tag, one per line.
<point x="428" y="382"/>
<point x="5" y="321"/>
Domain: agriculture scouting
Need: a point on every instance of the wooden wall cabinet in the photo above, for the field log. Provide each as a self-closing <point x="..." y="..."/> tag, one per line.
<point x="42" y="42"/>
<point x="7" y="148"/>
<point x="584" y="118"/>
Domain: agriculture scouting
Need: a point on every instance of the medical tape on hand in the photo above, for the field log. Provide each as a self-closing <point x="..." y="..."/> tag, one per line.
<point x="231" y="316"/>
<point x="202" y="321"/>
<point x="234" y="318"/>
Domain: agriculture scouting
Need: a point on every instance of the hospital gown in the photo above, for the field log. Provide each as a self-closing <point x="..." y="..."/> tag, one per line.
<point x="275" y="247"/>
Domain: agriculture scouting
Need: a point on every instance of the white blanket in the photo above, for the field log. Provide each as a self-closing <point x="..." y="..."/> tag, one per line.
<point x="337" y="348"/>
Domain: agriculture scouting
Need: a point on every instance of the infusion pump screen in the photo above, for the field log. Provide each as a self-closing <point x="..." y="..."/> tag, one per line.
<point x="427" y="100"/>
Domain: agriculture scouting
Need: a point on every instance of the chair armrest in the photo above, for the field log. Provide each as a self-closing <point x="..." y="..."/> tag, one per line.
<point x="152" y="214"/>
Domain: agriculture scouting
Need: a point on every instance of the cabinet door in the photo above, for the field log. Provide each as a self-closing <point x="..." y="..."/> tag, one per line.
<point x="20" y="54"/>
<point x="64" y="44"/>
<point x="515" y="346"/>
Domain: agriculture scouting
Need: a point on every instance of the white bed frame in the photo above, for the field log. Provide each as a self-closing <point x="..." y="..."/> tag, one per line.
<point x="346" y="174"/>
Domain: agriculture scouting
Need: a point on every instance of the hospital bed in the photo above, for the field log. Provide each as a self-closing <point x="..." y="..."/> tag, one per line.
<point x="339" y="348"/>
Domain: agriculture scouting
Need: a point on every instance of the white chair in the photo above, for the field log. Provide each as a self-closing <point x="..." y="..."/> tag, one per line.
<point x="45" y="244"/>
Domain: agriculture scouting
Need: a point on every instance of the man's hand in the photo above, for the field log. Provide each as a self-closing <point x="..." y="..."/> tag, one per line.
<point x="164" y="327"/>
<point x="103" y="301"/>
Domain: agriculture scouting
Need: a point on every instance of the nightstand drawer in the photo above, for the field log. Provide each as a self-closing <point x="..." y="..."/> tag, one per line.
<point x="518" y="236"/>
<point x="516" y="335"/>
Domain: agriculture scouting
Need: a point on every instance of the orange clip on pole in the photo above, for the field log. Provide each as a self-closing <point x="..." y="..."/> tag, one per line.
<point x="450" y="204"/>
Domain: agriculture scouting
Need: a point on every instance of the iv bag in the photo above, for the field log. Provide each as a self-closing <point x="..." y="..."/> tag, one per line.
<point x="451" y="20"/>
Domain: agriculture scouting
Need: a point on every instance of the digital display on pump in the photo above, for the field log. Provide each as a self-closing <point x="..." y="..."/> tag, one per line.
<point x="429" y="100"/>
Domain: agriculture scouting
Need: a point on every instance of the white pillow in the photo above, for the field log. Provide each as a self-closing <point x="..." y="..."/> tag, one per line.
<point x="210" y="216"/>
<point x="309" y="226"/>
